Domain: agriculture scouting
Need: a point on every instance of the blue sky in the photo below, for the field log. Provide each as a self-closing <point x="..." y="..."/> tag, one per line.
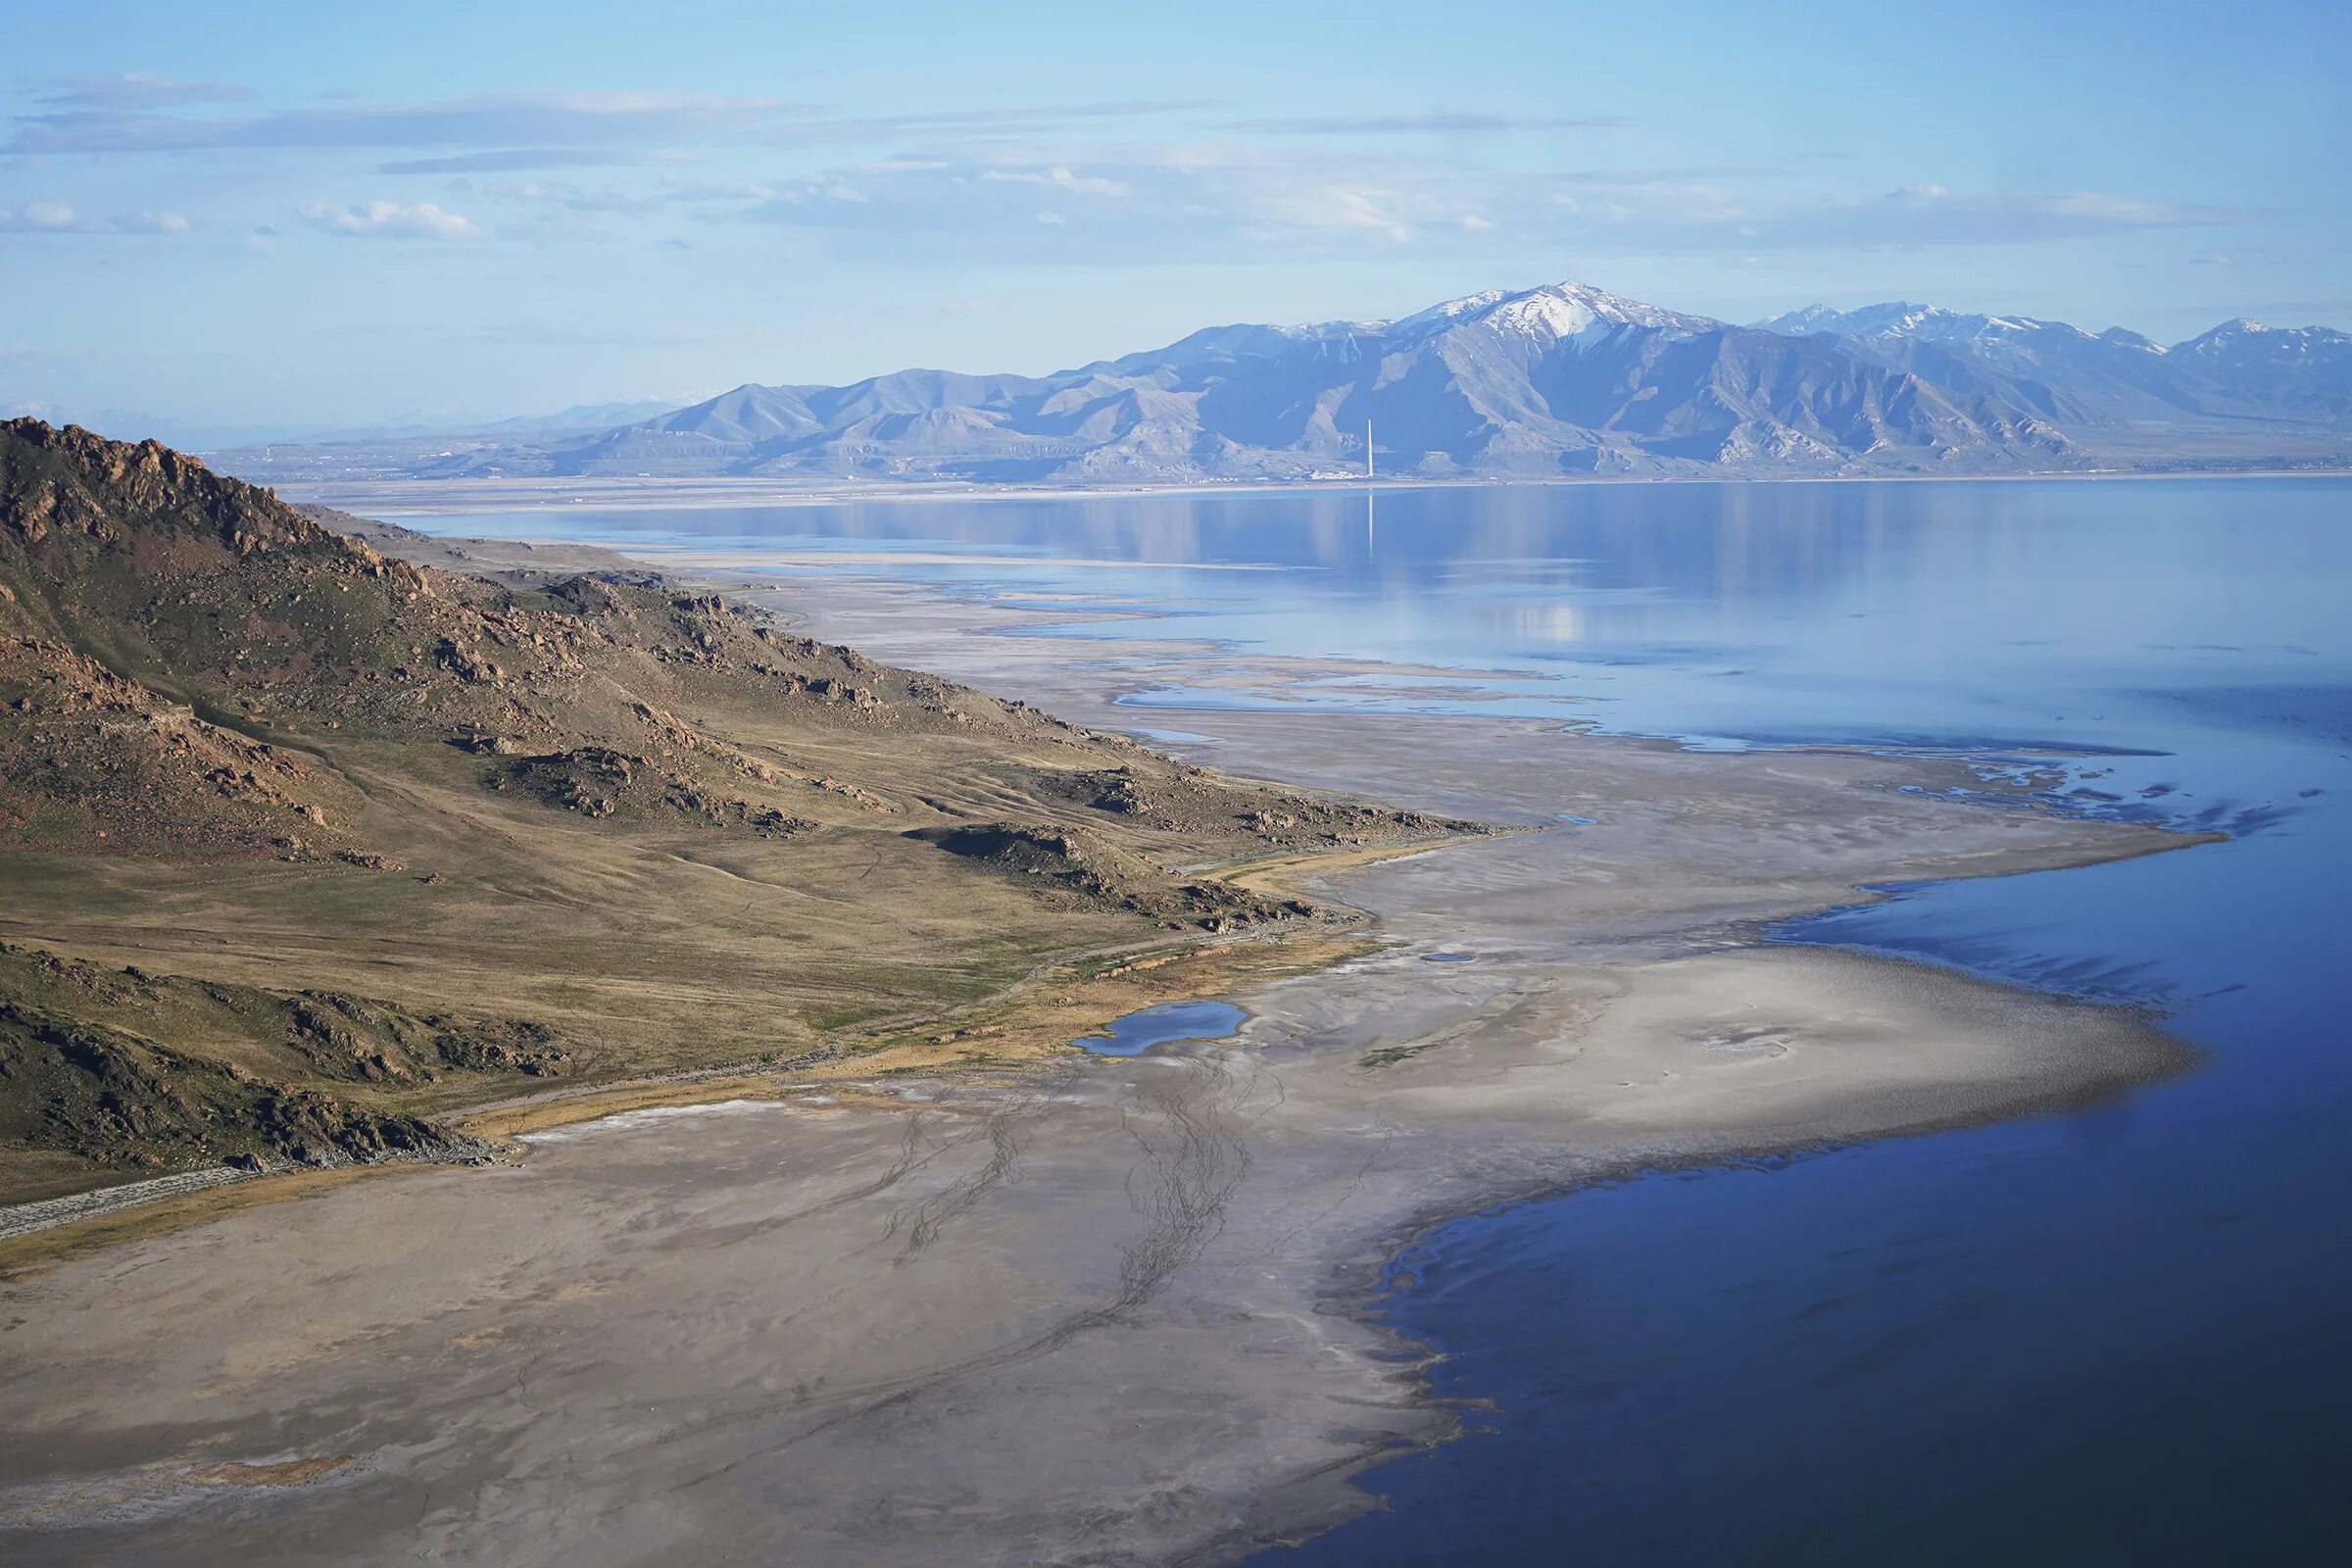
<point x="280" y="216"/>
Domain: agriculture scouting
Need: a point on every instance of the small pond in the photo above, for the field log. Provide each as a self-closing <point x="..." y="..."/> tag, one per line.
<point x="1141" y="1030"/>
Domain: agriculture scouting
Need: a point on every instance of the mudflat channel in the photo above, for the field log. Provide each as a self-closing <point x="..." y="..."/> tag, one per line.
<point x="1106" y="1312"/>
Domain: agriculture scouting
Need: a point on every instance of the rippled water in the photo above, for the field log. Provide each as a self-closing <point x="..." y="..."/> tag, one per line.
<point x="2115" y="1335"/>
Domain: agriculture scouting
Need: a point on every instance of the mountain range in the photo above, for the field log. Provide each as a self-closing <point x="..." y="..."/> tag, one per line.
<point x="1561" y="380"/>
<point x="2083" y="381"/>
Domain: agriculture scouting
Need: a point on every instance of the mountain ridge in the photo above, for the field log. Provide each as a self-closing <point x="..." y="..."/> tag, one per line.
<point x="1560" y="380"/>
<point x="2238" y="370"/>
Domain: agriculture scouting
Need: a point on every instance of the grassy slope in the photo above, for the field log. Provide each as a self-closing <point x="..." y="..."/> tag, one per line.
<point x="238" y="747"/>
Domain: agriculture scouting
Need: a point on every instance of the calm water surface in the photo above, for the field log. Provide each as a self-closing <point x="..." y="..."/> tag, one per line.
<point x="1136" y="1032"/>
<point x="2114" y="1335"/>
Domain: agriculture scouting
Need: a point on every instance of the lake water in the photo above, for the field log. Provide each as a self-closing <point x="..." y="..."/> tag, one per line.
<point x="2122" y="1335"/>
<point x="1135" y="1033"/>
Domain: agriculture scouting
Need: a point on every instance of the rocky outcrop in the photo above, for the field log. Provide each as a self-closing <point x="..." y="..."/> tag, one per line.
<point x="153" y="1071"/>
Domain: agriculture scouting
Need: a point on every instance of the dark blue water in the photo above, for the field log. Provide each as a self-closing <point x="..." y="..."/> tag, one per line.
<point x="2117" y="1335"/>
<point x="1138" y="1031"/>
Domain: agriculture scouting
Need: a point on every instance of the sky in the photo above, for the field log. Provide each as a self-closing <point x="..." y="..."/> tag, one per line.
<point x="265" y="219"/>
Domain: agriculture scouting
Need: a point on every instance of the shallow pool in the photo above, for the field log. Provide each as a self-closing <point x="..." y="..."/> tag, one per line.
<point x="1138" y="1031"/>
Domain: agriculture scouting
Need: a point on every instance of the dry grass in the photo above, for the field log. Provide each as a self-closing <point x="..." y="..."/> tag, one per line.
<point x="1036" y="1024"/>
<point x="1032" y="1025"/>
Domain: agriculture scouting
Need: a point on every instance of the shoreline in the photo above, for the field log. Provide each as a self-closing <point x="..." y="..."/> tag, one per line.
<point x="1373" y="1285"/>
<point x="394" y="499"/>
<point x="1308" y="1495"/>
<point x="1618" y="1013"/>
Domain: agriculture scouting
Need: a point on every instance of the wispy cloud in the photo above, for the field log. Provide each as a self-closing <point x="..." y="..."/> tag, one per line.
<point x="1672" y="176"/>
<point x="61" y="218"/>
<point x="1442" y="121"/>
<point x="1670" y="216"/>
<point x="577" y="122"/>
<point x="556" y="209"/>
<point x="489" y="121"/>
<point x="513" y="159"/>
<point x="1150" y="205"/>
<point x="1224" y="200"/>
<point x="393" y="220"/>
<point x="1105" y="182"/>
<point x="132" y="90"/>
<point x="1058" y="177"/>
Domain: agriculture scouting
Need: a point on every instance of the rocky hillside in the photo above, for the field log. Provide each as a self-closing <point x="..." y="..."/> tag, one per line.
<point x="236" y="738"/>
<point x="119" y="1066"/>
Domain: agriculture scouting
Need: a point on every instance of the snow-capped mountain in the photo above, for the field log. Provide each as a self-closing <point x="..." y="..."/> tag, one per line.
<point x="2083" y="380"/>
<point x="1543" y="382"/>
<point x="1892" y="319"/>
<point x="2302" y="370"/>
<point x="1559" y="312"/>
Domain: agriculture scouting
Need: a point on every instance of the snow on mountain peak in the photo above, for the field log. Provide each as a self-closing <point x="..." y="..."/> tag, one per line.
<point x="1554" y="312"/>
<point x="1449" y="311"/>
<point x="1906" y="318"/>
<point x="1801" y="321"/>
<point x="1894" y="318"/>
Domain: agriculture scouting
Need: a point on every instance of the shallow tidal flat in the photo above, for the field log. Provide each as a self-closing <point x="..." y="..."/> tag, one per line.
<point x="1105" y="1312"/>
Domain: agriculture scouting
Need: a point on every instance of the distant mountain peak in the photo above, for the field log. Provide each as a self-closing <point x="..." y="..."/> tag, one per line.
<point x="1894" y="319"/>
<point x="1888" y="317"/>
<point x="1907" y="318"/>
<point x="2125" y="337"/>
<point x="1800" y="321"/>
<point x="1553" y="311"/>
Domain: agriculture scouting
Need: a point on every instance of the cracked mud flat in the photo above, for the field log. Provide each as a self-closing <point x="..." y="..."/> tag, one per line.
<point x="1099" y="1316"/>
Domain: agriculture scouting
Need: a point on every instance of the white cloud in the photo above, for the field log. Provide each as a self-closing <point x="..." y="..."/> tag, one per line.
<point x="1124" y="204"/>
<point x="1060" y="178"/>
<point x="1338" y="206"/>
<point x="1199" y="200"/>
<point x="394" y="220"/>
<point x="50" y="216"/>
